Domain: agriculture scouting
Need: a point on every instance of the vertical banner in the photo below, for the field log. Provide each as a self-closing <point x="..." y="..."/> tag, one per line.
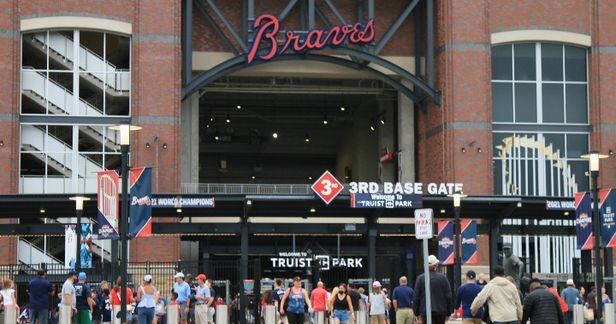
<point x="607" y="207"/>
<point x="140" y="202"/>
<point x="70" y="246"/>
<point x="583" y="221"/>
<point x="86" y="246"/>
<point x="469" y="241"/>
<point x="445" y="242"/>
<point x="108" y="185"/>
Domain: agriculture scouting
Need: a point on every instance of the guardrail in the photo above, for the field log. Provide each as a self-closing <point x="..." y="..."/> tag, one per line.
<point x="247" y="189"/>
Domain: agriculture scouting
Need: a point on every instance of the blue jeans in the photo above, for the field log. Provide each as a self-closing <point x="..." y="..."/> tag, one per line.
<point x="569" y="317"/>
<point x="146" y="315"/>
<point x="41" y="314"/>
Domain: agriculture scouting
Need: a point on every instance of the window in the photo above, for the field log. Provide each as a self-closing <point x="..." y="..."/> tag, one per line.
<point x="536" y="86"/>
<point x="71" y="73"/>
<point x="539" y="83"/>
<point x="75" y="73"/>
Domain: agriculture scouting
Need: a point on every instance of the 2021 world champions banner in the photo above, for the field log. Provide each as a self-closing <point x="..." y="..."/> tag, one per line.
<point x="583" y="221"/>
<point x="445" y="242"/>
<point x="140" y="202"/>
<point x="108" y="185"/>
<point x="607" y="207"/>
<point x="469" y="241"/>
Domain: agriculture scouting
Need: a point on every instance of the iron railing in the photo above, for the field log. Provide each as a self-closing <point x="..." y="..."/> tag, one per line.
<point x="247" y="189"/>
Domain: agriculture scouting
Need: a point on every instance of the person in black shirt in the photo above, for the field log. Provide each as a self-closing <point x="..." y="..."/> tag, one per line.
<point x="355" y="297"/>
<point x="84" y="302"/>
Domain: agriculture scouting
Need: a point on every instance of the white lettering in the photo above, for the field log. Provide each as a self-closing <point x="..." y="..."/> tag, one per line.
<point x="363" y="187"/>
<point x="432" y="188"/>
<point x="388" y="187"/>
<point x="373" y="187"/>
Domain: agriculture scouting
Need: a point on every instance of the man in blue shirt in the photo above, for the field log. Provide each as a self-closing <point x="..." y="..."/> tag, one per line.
<point x="403" y="302"/>
<point x="84" y="302"/>
<point x="570" y="296"/>
<point x="466" y="295"/>
<point x="40" y="290"/>
<point x="183" y="290"/>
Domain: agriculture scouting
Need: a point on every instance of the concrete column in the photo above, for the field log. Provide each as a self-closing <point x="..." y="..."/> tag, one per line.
<point x="387" y="170"/>
<point x="189" y="132"/>
<point x="366" y="156"/>
<point x="406" y="138"/>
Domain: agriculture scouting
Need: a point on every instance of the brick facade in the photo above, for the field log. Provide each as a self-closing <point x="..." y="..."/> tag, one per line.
<point x="462" y="73"/>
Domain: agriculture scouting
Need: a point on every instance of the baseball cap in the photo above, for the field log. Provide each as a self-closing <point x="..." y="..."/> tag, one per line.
<point x="570" y="282"/>
<point x="201" y="277"/>
<point x="82" y="276"/>
<point x="147" y="278"/>
<point x="470" y="274"/>
<point x="432" y="260"/>
<point x="376" y="284"/>
<point x="179" y="275"/>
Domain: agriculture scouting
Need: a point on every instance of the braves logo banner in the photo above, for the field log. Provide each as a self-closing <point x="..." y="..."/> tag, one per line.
<point x="108" y="184"/>
<point x="445" y="242"/>
<point x="607" y="207"/>
<point x="469" y="241"/>
<point x="140" y="202"/>
<point x="583" y="221"/>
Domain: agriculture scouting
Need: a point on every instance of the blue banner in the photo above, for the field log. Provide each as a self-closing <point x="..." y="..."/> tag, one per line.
<point x="445" y="242"/>
<point x="140" y="202"/>
<point x="85" y="252"/>
<point x="607" y="207"/>
<point x="379" y="200"/>
<point x="583" y="221"/>
<point x="469" y="241"/>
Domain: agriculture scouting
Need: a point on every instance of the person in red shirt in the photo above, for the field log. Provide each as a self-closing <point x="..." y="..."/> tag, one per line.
<point x="319" y="298"/>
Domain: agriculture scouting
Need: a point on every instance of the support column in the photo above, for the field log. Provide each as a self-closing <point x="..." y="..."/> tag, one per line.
<point x="243" y="262"/>
<point x="205" y="248"/>
<point x="387" y="170"/>
<point x="494" y="234"/>
<point x="406" y="138"/>
<point x="190" y="139"/>
<point x="372" y="233"/>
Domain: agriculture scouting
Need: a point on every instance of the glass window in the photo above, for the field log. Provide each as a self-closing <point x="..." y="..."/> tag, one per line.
<point x="524" y="61"/>
<point x="575" y="63"/>
<point x="579" y="170"/>
<point x="557" y="141"/>
<point x="501" y="62"/>
<point x="577" y="105"/>
<point x="502" y="103"/>
<point x="497" y="139"/>
<point x="552" y="62"/>
<point x="553" y="103"/>
<point x="525" y="103"/>
<point x="577" y="144"/>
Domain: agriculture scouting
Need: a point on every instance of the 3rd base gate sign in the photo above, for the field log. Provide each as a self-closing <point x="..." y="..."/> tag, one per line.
<point x="327" y="187"/>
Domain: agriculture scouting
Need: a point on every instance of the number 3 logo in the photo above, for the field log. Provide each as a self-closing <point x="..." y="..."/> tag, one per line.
<point x="327" y="187"/>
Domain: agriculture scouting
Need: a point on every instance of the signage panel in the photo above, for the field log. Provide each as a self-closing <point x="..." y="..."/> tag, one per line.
<point x="423" y="224"/>
<point x="305" y="260"/>
<point x="445" y="242"/>
<point x="583" y="221"/>
<point x="140" y="202"/>
<point x="469" y="241"/>
<point x="607" y="208"/>
<point x="108" y="197"/>
<point x="327" y="187"/>
<point x="385" y="201"/>
<point x="175" y="201"/>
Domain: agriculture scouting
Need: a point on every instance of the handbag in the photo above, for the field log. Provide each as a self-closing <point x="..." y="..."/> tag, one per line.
<point x="589" y="314"/>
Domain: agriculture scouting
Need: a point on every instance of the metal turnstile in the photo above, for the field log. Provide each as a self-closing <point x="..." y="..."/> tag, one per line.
<point x="225" y="286"/>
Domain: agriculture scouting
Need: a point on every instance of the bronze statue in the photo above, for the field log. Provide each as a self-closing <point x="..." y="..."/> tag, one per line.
<point x="514" y="267"/>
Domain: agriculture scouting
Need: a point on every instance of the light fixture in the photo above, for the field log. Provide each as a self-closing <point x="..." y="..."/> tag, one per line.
<point x="207" y="125"/>
<point x="479" y="150"/>
<point x="442" y="211"/>
<point x="211" y="118"/>
<point x="164" y="146"/>
<point x="566" y="213"/>
<point x="125" y="130"/>
<point x="307" y="139"/>
<point x="594" y="158"/>
<point x="382" y="121"/>
<point x="216" y="137"/>
<point x="519" y="204"/>
<point x="79" y="201"/>
<point x="179" y="210"/>
<point x="325" y="120"/>
<point x="342" y="108"/>
<point x="228" y="119"/>
<point x="147" y="145"/>
<point x="464" y="150"/>
<point x="313" y="210"/>
<point x="372" y="128"/>
<point x="249" y="202"/>
<point x="2" y="144"/>
<point x="253" y="177"/>
<point x="239" y="107"/>
<point x="42" y="210"/>
<point x="275" y="135"/>
<point x="310" y="178"/>
<point x="610" y="152"/>
<point x="457" y="197"/>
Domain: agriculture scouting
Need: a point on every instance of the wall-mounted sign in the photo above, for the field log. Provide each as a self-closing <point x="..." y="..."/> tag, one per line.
<point x="266" y="37"/>
<point x="327" y="187"/>
<point x="560" y="204"/>
<point x="407" y="188"/>
<point x="304" y="260"/>
<point x="360" y="200"/>
<point x="173" y="201"/>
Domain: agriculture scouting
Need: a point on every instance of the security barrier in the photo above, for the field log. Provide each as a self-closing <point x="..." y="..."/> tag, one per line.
<point x="609" y="316"/>
<point x="222" y="314"/>
<point x="360" y="317"/>
<point x="578" y="314"/>
<point x="10" y="315"/>
<point x="320" y="317"/>
<point x="173" y="314"/>
<point x="269" y="314"/>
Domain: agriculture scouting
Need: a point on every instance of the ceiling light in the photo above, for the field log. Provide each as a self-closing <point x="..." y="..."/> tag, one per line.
<point x="212" y="118"/>
<point x="253" y="177"/>
<point x="216" y="137"/>
<point x="275" y="135"/>
<point x="309" y="178"/>
<point x="307" y="139"/>
<point x="342" y="108"/>
<point x="325" y="120"/>
<point x="42" y="210"/>
<point x="442" y="211"/>
<point x="239" y="107"/>
<point x="382" y="121"/>
<point x="313" y="210"/>
<point x="566" y="213"/>
<point x="228" y="119"/>
<point x="372" y="128"/>
<point x="179" y="210"/>
<point x="207" y="125"/>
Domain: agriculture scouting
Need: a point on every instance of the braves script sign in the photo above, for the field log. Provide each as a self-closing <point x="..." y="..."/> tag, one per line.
<point x="267" y="28"/>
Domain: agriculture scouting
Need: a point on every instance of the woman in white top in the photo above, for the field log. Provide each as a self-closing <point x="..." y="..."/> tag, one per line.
<point x="7" y="295"/>
<point x="147" y="296"/>
<point x="378" y="304"/>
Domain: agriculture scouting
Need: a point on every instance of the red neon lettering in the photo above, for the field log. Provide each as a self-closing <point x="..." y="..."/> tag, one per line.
<point x="268" y="26"/>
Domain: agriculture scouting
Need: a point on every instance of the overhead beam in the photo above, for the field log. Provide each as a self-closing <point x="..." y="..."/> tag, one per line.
<point x="217" y="28"/>
<point x="393" y="28"/>
<point x="285" y="12"/>
<point x="336" y="12"/>
<point x="227" y="24"/>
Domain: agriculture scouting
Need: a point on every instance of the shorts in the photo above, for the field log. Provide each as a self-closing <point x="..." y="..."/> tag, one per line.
<point x="83" y="317"/>
<point x="342" y="315"/>
<point x="182" y="308"/>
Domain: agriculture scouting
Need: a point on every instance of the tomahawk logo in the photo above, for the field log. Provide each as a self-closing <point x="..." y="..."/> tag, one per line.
<point x="445" y="242"/>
